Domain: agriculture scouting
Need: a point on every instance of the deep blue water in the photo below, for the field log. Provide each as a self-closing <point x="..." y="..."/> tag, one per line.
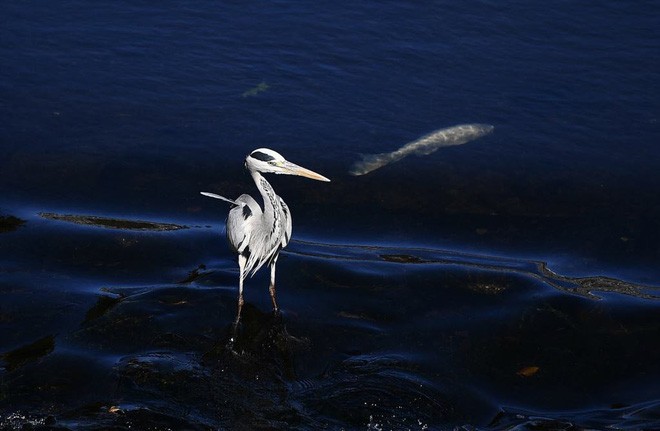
<point x="419" y="289"/>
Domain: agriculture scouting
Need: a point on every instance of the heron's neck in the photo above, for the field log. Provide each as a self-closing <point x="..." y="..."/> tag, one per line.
<point x="267" y="193"/>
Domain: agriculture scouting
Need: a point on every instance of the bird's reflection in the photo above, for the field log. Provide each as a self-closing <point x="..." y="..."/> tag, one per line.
<point x="258" y="338"/>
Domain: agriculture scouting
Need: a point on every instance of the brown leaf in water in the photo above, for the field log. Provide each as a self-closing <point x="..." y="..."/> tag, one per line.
<point x="528" y="371"/>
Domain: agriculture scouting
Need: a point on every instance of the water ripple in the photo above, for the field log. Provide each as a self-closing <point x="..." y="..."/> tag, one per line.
<point x="583" y="286"/>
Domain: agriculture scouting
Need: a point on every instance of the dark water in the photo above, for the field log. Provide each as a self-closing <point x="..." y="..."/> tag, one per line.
<point x="510" y="283"/>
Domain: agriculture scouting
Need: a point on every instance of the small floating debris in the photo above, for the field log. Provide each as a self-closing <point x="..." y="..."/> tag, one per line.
<point x="427" y="144"/>
<point x="488" y="288"/>
<point x="194" y="274"/>
<point x="256" y="90"/>
<point x="113" y="223"/>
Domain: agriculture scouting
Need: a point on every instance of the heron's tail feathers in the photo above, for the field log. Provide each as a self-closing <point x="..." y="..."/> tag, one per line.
<point x="222" y="198"/>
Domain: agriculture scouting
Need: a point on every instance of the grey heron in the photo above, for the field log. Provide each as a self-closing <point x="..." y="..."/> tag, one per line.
<point x="259" y="232"/>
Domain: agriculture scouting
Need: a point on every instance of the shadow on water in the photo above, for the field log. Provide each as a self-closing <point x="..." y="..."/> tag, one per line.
<point x="28" y="353"/>
<point x="371" y="337"/>
<point x="10" y="223"/>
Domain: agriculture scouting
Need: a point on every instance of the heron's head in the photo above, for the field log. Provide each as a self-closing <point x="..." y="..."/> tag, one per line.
<point x="268" y="161"/>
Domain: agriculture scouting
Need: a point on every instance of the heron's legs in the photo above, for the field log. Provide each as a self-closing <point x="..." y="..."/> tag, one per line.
<point x="242" y="260"/>
<point x="271" y="289"/>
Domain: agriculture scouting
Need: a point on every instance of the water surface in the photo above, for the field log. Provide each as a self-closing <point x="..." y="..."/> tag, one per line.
<point x="508" y="283"/>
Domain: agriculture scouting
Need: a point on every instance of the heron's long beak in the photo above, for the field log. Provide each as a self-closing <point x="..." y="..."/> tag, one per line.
<point x="293" y="169"/>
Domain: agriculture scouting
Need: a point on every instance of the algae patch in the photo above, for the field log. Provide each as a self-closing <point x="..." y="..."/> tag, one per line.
<point x="113" y="223"/>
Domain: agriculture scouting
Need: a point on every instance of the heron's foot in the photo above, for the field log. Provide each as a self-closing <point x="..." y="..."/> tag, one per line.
<point x="235" y="329"/>
<point x="232" y="337"/>
<point x="277" y="315"/>
<point x="223" y="345"/>
<point x="230" y="346"/>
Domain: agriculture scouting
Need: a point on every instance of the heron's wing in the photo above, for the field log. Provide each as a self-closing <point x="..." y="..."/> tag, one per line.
<point x="222" y="198"/>
<point x="242" y="225"/>
<point x="288" y="223"/>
